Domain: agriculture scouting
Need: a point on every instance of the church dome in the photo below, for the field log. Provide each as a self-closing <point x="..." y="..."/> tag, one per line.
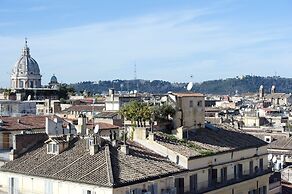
<point x="26" y="71"/>
<point x="54" y="80"/>
<point x="26" y="65"/>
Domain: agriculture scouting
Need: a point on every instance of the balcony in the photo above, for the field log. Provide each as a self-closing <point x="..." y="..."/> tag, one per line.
<point x="207" y="186"/>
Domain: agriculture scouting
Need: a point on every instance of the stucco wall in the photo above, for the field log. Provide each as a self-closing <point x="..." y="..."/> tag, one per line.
<point x="37" y="185"/>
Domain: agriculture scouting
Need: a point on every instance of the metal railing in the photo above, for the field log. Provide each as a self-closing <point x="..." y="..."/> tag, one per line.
<point x="206" y="186"/>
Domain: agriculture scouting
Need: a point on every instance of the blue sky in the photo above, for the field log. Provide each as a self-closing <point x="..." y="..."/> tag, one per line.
<point x="167" y="39"/>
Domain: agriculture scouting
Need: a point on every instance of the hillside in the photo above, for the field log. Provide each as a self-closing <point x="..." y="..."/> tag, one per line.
<point x="223" y="86"/>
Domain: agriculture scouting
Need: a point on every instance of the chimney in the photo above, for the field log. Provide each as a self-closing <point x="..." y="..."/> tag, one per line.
<point x="18" y="96"/>
<point x="125" y="149"/>
<point x="94" y="145"/>
<point x="81" y="124"/>
<point x="111" y="93"/>
<point x="261" y="91"/>
<point x="113" y="138"/>
<point x="273" y="89"/>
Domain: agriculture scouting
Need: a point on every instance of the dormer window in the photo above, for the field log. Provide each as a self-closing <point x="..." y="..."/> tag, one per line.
<point x="56" y="145"/>
<point x="53" y="148"/>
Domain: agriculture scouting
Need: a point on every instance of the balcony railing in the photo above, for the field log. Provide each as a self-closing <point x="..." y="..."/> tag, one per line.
<point x="214" y="185"/>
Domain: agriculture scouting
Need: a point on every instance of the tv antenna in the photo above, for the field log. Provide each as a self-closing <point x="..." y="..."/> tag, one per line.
<point x="135" y="71"/>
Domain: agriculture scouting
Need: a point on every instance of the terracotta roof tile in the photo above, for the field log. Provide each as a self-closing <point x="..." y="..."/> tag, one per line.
<point x="109" y="167"/>
<point x="23" y="123"/>
<point x="84" y="108"/>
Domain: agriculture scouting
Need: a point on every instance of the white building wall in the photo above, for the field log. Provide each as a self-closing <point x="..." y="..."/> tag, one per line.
<point x="38" y="185"/>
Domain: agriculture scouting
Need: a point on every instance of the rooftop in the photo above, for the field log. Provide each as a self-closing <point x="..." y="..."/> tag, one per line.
<point x="206" y="141"/>
<point x="109" y="167"/>
<point x="102" y="125"/>
<point x="188" y="94"/>
<point x="23" y="123"/>
<point x="280" y="141"/>
<point x="106" y="114"/>
<point x="84" y="108"/>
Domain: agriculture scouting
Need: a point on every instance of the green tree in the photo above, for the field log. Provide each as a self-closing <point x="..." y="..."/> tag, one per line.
<point x="137" y="112"/>
<point x="65" y="91"/>
<point x="163" y="113"/>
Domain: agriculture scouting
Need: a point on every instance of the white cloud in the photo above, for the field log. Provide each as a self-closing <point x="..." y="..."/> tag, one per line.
<point x="167" y="46"/>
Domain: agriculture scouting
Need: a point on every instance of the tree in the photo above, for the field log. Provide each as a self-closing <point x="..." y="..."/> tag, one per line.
<point x="65" y="91"/>
<point x="137" y="112"/>
<point x="163" y="113"/>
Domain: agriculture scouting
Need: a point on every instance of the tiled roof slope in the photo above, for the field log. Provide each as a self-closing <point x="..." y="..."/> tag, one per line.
<point x="106" y="114"/>
<point x="206" y="141"/>
<point x="109" y="167"/>
<point x="279" y="140"/>
<point x="84" y="108"/>
<point x="102" y="125"/>
<point x="23" y="123"/>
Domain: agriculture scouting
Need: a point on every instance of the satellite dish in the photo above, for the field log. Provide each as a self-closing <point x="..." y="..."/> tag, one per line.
<point x="135" y="91"/>
<point x="190" y="86"/>
<point x="96" y="128"/>
<point x="29" y="98"/>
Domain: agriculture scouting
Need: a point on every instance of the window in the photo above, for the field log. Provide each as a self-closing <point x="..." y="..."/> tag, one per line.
<point x="50" y="148"/>
<point x="177" y="159"/>
<point x="136" y="191"/>
<point x="240" y="170"/>
<point x="31" y="84"/>
<point x="179" y="184"/>
<point x="223" y="175"/>
<point x="193" y="183"/>
<point x="20" y="84"/>
<point x="191" y="103"/>
<point x="54" y="148"/>
<point x="252" y="191"/>
<point x="250" y="167"/>
<point x="212" y="176"/>
<point x="261" y="164"/>
<point x="85" y="191"/>
<point x="153" y="188"/>
<point x="200" y="103"/>
<point x="13" y="185"/>
<point x="235" y="171"/>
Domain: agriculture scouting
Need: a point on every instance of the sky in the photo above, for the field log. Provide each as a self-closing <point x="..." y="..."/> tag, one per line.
<point x="174" y="40"/>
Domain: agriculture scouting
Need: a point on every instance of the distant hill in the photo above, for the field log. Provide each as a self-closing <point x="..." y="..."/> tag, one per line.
<point x="242" y="84"/>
